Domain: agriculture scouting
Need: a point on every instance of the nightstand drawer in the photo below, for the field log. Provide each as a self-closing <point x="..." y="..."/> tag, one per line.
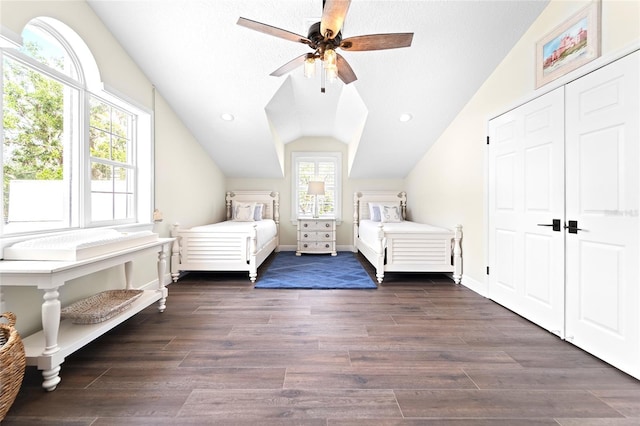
<point x="316" y="236"/>
<point x="316" y="246"/>
<point x="317" y="225"/>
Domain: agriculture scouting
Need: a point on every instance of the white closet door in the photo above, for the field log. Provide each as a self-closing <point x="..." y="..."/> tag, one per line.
<point x="603" y="191"/>
<point x="526" y="194"/>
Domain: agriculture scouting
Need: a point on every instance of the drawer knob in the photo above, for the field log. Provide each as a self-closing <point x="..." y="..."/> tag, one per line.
<point x="326" y="245"/>
<point x="306" y="235"/>
<point x="305" y="246"/>
<point x="305" y="225"/>
<point x="327" y="235"/>
<point x="326" y="225"/>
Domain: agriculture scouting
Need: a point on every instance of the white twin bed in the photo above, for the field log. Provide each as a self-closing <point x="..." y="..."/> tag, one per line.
<point x="393" y="244"/>
<point x="241" y="243"/>
<point x="380" y="232"/>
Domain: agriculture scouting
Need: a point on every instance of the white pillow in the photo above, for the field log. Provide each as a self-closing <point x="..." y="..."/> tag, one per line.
<point x="243" y="212"/>
<point x="374" y="212"/>
<point x="390" y="213"/>
<point x="257" y="213"/>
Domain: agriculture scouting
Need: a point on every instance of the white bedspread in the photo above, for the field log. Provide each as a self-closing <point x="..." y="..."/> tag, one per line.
<point x="368" y="230"/>
<point x="266" y="229"/>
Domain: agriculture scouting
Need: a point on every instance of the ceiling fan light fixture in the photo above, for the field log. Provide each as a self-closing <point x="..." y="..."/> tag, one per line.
<point x="309" y="66"/>
<point x="329" y="59"/>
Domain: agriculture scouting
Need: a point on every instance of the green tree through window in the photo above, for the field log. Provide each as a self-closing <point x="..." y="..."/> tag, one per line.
<point x="33" y="117"/>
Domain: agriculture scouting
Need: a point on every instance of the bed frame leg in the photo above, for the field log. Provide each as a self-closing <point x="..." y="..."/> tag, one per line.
<point x="175" y="253"/>
<point x="253" y="251"/>
<point x="381" y="250"/>
<point x="457" y="255"/>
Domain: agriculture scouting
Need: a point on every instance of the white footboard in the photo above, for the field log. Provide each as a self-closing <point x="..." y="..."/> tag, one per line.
<point x="217" y="251"/>
<point x="429" y="252"/>
<point x="227" y="249"/>
<point x="410" y="250"/>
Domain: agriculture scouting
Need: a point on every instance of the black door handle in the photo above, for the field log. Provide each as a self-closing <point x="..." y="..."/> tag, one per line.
<point x="572" y="227"/>
<point x="555" y="225"/>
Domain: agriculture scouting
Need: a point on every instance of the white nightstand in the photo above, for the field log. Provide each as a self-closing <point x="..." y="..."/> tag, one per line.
<point x="316" y="236"/>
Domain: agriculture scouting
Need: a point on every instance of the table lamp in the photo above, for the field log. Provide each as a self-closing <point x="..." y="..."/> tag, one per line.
<point x="315" y="188"/>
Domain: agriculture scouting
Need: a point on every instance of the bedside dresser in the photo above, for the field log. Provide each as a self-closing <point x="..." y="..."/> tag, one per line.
<point x="316" y="236"/>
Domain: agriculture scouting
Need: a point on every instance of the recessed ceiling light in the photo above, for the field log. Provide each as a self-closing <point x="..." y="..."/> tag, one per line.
<point x="405" y="117"/>
<point x="227" y="117"/>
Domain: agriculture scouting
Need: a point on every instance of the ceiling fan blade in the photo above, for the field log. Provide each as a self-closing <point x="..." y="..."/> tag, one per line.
<point x="289" y="66"/>
<point x="377" y="42"/>
<point x="333" y="14"/>
<point x="274" y="31"/>
<point x="345" y="73"/>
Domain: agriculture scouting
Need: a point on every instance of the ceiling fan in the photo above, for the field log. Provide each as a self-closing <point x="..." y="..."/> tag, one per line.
<point x="325" y="37"/>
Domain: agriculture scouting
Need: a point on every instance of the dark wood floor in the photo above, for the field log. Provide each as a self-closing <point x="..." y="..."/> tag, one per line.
<point x="418" y="350"/>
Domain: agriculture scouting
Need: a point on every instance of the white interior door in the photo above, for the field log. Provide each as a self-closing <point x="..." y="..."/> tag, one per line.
<point x="526" y="195"/>
<point x="603" y="191"/>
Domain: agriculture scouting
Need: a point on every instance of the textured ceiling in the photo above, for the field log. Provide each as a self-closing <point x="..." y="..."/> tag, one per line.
<point x="205" y="65"/>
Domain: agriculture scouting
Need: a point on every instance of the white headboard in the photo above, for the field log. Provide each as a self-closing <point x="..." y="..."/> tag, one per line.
<point x="270" y="199"/>
<point x="361" y="200"/>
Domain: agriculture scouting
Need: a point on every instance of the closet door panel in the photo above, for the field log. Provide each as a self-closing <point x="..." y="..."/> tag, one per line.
<point x="603" y="190"/>
<point x="526" y="193"/>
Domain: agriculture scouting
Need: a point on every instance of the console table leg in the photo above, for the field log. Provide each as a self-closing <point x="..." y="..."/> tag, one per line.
<point x="51" y="378"/>
<point x="50" y="327"/>
<point x="128" y="268"/>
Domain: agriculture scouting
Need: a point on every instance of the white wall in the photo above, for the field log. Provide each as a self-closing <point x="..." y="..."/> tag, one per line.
<point x="189" y="186"/>
<point x="447" y="186"/>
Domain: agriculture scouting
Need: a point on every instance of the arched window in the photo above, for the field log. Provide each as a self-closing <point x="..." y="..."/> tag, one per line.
<point x="73" y="156"/>
<point x="42" y="43"/>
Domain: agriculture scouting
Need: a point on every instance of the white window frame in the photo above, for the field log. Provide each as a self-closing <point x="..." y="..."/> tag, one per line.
<point x="296" y="158"/>
<point x="142" y="152"/>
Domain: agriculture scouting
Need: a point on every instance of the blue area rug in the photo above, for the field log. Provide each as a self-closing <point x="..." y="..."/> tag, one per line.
<point x="315" y="271"/>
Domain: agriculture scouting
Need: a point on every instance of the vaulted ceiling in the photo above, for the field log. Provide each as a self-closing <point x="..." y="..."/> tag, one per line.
<point x="205" y="65"/>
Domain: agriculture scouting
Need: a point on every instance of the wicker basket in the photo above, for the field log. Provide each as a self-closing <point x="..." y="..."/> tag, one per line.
<point x="100" y="307"/>
<point x="12" y="363"/>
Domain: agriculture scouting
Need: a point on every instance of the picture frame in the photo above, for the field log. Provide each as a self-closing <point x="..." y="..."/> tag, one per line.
<point x="569" y="46"/>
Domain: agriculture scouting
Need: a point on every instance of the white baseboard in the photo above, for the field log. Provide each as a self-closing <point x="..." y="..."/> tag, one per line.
<point x="295" y="247"/>
<point x="475" y="285"/>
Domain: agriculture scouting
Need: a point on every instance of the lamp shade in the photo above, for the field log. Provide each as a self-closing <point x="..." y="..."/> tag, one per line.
<point x="315" y="188"/>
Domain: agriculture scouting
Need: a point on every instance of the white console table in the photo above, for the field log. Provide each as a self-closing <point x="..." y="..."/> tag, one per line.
<point x="48" y="348"/>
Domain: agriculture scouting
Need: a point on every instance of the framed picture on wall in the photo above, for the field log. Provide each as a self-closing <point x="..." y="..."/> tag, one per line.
<point x="569" y="46"/>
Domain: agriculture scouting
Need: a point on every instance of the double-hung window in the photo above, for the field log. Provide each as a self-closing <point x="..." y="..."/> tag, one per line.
<point x="316" y="166"/>
<point x="111" y="131"/>
<point x="74" y="155"/>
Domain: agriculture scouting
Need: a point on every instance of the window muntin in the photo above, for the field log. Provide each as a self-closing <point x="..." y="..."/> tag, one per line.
<point x="112" y="170"/>
<point x="322" y="166"/>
